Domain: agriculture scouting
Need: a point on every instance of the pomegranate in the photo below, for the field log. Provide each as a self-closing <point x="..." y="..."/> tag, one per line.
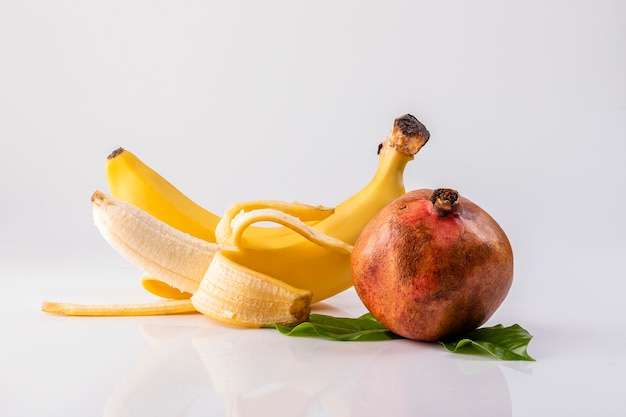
<point x="432" y="265"/>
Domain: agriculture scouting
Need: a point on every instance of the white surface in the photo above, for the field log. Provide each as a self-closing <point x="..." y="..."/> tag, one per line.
<point x="191" y="366"/>
<point x="526" y="104"/>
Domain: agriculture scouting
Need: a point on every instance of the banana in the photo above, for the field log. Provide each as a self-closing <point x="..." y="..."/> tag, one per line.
<point x="131" y="180"/>
<point x="181" y="262"/>
<point x="161" y="250"/>
<point x="302" y="263"/>
<point x="236" y="295"/>
<point x="238" y="277"/>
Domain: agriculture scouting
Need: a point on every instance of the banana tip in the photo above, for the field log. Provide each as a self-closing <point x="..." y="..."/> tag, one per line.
<point x="410" y="126"/>
<point x="97" y="197"/>
<point x="115" y="153"/>
<point x="51" y="307"/>
<point x="408" y="135"/>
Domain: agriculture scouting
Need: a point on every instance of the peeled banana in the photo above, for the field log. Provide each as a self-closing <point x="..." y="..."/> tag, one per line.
<point x="161" y="250"/>
<point x="233" y="294"/>
<point x="232" y="270"/>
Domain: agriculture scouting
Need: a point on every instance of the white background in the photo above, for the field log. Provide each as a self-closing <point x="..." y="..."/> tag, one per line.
<point x="525" y="102"/>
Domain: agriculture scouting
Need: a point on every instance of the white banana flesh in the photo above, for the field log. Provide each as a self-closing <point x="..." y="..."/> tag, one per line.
<point x="157" y="248"/>
<point x="237" y="295"/>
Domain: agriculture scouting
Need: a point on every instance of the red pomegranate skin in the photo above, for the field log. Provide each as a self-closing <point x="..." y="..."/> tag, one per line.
<point x="430" y="277"/>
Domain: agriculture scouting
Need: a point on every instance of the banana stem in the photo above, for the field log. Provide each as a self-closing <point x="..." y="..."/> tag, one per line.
<point x="405" y="140"/>
<point x="407" y="136"/>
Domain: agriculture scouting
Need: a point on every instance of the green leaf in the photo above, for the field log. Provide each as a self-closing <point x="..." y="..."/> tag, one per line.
<point x="363" y="328"/>
<point x="506" y="343"/>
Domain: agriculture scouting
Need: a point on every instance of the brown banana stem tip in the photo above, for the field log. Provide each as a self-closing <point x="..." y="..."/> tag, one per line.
<point x="410" y="126"/>
<point x="97" y="197"/>
<point x="443" y="200"/>
<point x="115" y="153"/>
<point x="407" y="136"/>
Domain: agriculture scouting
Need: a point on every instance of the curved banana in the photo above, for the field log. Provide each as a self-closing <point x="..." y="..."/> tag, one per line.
<point x="301" y="263"/>
<point x="131" y="180"/>
<point x="248" y="281"/>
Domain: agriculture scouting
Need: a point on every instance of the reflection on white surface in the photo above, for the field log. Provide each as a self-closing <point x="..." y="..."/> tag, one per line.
<point x="221" y="371"/>
<point x="164" y="381"/>
<point x="191" y="366"/>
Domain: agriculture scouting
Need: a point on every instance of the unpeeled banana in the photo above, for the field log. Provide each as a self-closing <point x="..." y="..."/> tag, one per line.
<point x="131" y="180"/>
<point x="234" y="271"/>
